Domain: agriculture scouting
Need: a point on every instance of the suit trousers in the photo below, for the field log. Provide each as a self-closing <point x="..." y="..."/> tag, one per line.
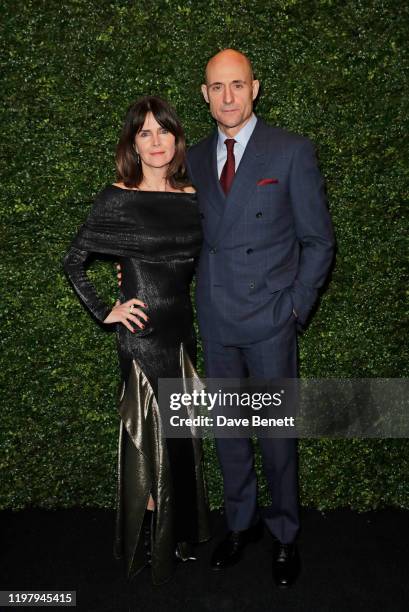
<point x="274" y="357"/>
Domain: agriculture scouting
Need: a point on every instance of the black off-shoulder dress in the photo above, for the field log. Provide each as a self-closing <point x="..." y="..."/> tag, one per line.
<point x="156" y="237"/>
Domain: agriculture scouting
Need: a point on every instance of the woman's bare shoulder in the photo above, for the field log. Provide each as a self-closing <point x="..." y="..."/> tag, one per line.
<point x="124" y="187"/>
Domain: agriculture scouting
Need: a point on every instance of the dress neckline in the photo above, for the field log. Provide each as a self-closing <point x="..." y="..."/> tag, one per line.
<point x="152" y="191"/>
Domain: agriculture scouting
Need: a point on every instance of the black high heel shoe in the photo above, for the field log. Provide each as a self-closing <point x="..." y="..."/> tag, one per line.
<point x="184" y="552"/>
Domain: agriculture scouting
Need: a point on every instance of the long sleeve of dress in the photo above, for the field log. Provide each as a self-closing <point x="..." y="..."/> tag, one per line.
<point x="75" y="269"/>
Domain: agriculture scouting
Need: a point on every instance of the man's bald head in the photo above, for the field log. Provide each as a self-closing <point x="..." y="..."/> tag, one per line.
<point x="229" y="56"/>
<point x="230" y="90"/>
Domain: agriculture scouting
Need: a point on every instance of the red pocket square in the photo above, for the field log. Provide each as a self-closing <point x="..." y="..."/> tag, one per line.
<point x="267" y="181"/>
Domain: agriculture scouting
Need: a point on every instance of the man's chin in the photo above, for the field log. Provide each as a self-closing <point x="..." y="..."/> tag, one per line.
<point x="232" y="117"/>
<point x="229" y="122"/>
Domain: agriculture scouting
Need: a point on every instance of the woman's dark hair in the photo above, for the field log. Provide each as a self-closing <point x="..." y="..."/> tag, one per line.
<point x="128" y="168"/>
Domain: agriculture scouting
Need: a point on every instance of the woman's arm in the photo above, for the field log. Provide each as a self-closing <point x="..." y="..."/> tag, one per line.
<point x="99" y="234"/>
<point x="74" y="267"/>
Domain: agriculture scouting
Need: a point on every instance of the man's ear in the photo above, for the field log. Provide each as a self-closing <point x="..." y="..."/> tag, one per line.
<point x="256" y="87"/>
<point x="204" y="92"/>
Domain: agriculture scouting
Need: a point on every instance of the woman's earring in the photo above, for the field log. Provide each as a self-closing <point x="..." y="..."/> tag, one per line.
<point x="138" y="159"/>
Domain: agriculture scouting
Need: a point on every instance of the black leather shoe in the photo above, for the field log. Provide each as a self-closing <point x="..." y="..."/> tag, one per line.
<point x="184" y="552"/>
<point x="229" y="551"/>
<point x="286" y="564"/>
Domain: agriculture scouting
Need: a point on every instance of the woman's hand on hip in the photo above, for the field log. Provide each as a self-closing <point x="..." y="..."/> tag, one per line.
<point x="125" y="313"/>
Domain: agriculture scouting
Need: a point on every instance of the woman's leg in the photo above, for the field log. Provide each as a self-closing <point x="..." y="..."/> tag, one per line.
<point x="151" y="503"/>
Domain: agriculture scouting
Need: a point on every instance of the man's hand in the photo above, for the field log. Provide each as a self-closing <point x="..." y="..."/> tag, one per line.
<point x="124" y="313"/>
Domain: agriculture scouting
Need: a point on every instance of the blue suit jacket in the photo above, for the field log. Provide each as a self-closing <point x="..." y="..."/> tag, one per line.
<point x="268" y="247"/>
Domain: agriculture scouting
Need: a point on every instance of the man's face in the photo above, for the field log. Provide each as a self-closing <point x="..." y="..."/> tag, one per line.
<point x="230" y="91"/>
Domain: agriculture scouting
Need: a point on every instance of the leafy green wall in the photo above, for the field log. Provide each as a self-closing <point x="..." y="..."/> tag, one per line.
<point x="332" y="70"/>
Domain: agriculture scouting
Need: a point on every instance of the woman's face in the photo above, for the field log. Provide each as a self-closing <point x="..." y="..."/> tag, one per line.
<point x="154" y="143"/>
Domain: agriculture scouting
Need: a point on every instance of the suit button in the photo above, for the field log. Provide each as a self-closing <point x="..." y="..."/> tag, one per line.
<point x="249" y="251"/>
<point x="201" y="215"/>
<point x="259" y="214"/>
<point x="252" y="285"/>
<point x="212" y="251"/>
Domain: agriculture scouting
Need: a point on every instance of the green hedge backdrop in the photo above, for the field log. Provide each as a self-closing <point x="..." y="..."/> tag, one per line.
<point x="335" y="71"/>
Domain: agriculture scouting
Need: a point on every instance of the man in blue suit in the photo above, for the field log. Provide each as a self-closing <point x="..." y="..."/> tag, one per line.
<point x="268" y="246"/>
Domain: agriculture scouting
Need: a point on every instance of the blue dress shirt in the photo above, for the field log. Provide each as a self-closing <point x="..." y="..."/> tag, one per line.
<point x="241" y="139"/>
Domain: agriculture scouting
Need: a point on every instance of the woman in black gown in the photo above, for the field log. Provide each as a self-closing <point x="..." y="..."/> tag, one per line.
<point x="149" y="222"/>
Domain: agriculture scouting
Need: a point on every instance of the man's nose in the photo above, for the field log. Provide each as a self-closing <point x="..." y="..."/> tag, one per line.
<point x="228" y="95"/>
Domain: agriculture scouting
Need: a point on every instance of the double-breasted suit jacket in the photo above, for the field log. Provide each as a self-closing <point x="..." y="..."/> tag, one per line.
<point x="268" y="245"/>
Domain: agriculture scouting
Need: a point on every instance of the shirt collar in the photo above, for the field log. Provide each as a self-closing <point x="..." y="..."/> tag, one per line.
<point x="241" y="137"/>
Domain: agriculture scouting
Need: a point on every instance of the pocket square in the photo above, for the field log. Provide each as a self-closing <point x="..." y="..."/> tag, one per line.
<point x="267" y="181"/>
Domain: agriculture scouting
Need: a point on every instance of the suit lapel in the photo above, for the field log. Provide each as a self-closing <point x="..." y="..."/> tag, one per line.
<point x="245" y="181"/>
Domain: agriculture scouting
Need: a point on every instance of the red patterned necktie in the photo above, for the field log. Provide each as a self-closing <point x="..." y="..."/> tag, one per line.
<point x="227" y="175"/>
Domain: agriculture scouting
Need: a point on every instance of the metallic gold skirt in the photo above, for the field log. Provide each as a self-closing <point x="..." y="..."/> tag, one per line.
<point x="144" y="469"/>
